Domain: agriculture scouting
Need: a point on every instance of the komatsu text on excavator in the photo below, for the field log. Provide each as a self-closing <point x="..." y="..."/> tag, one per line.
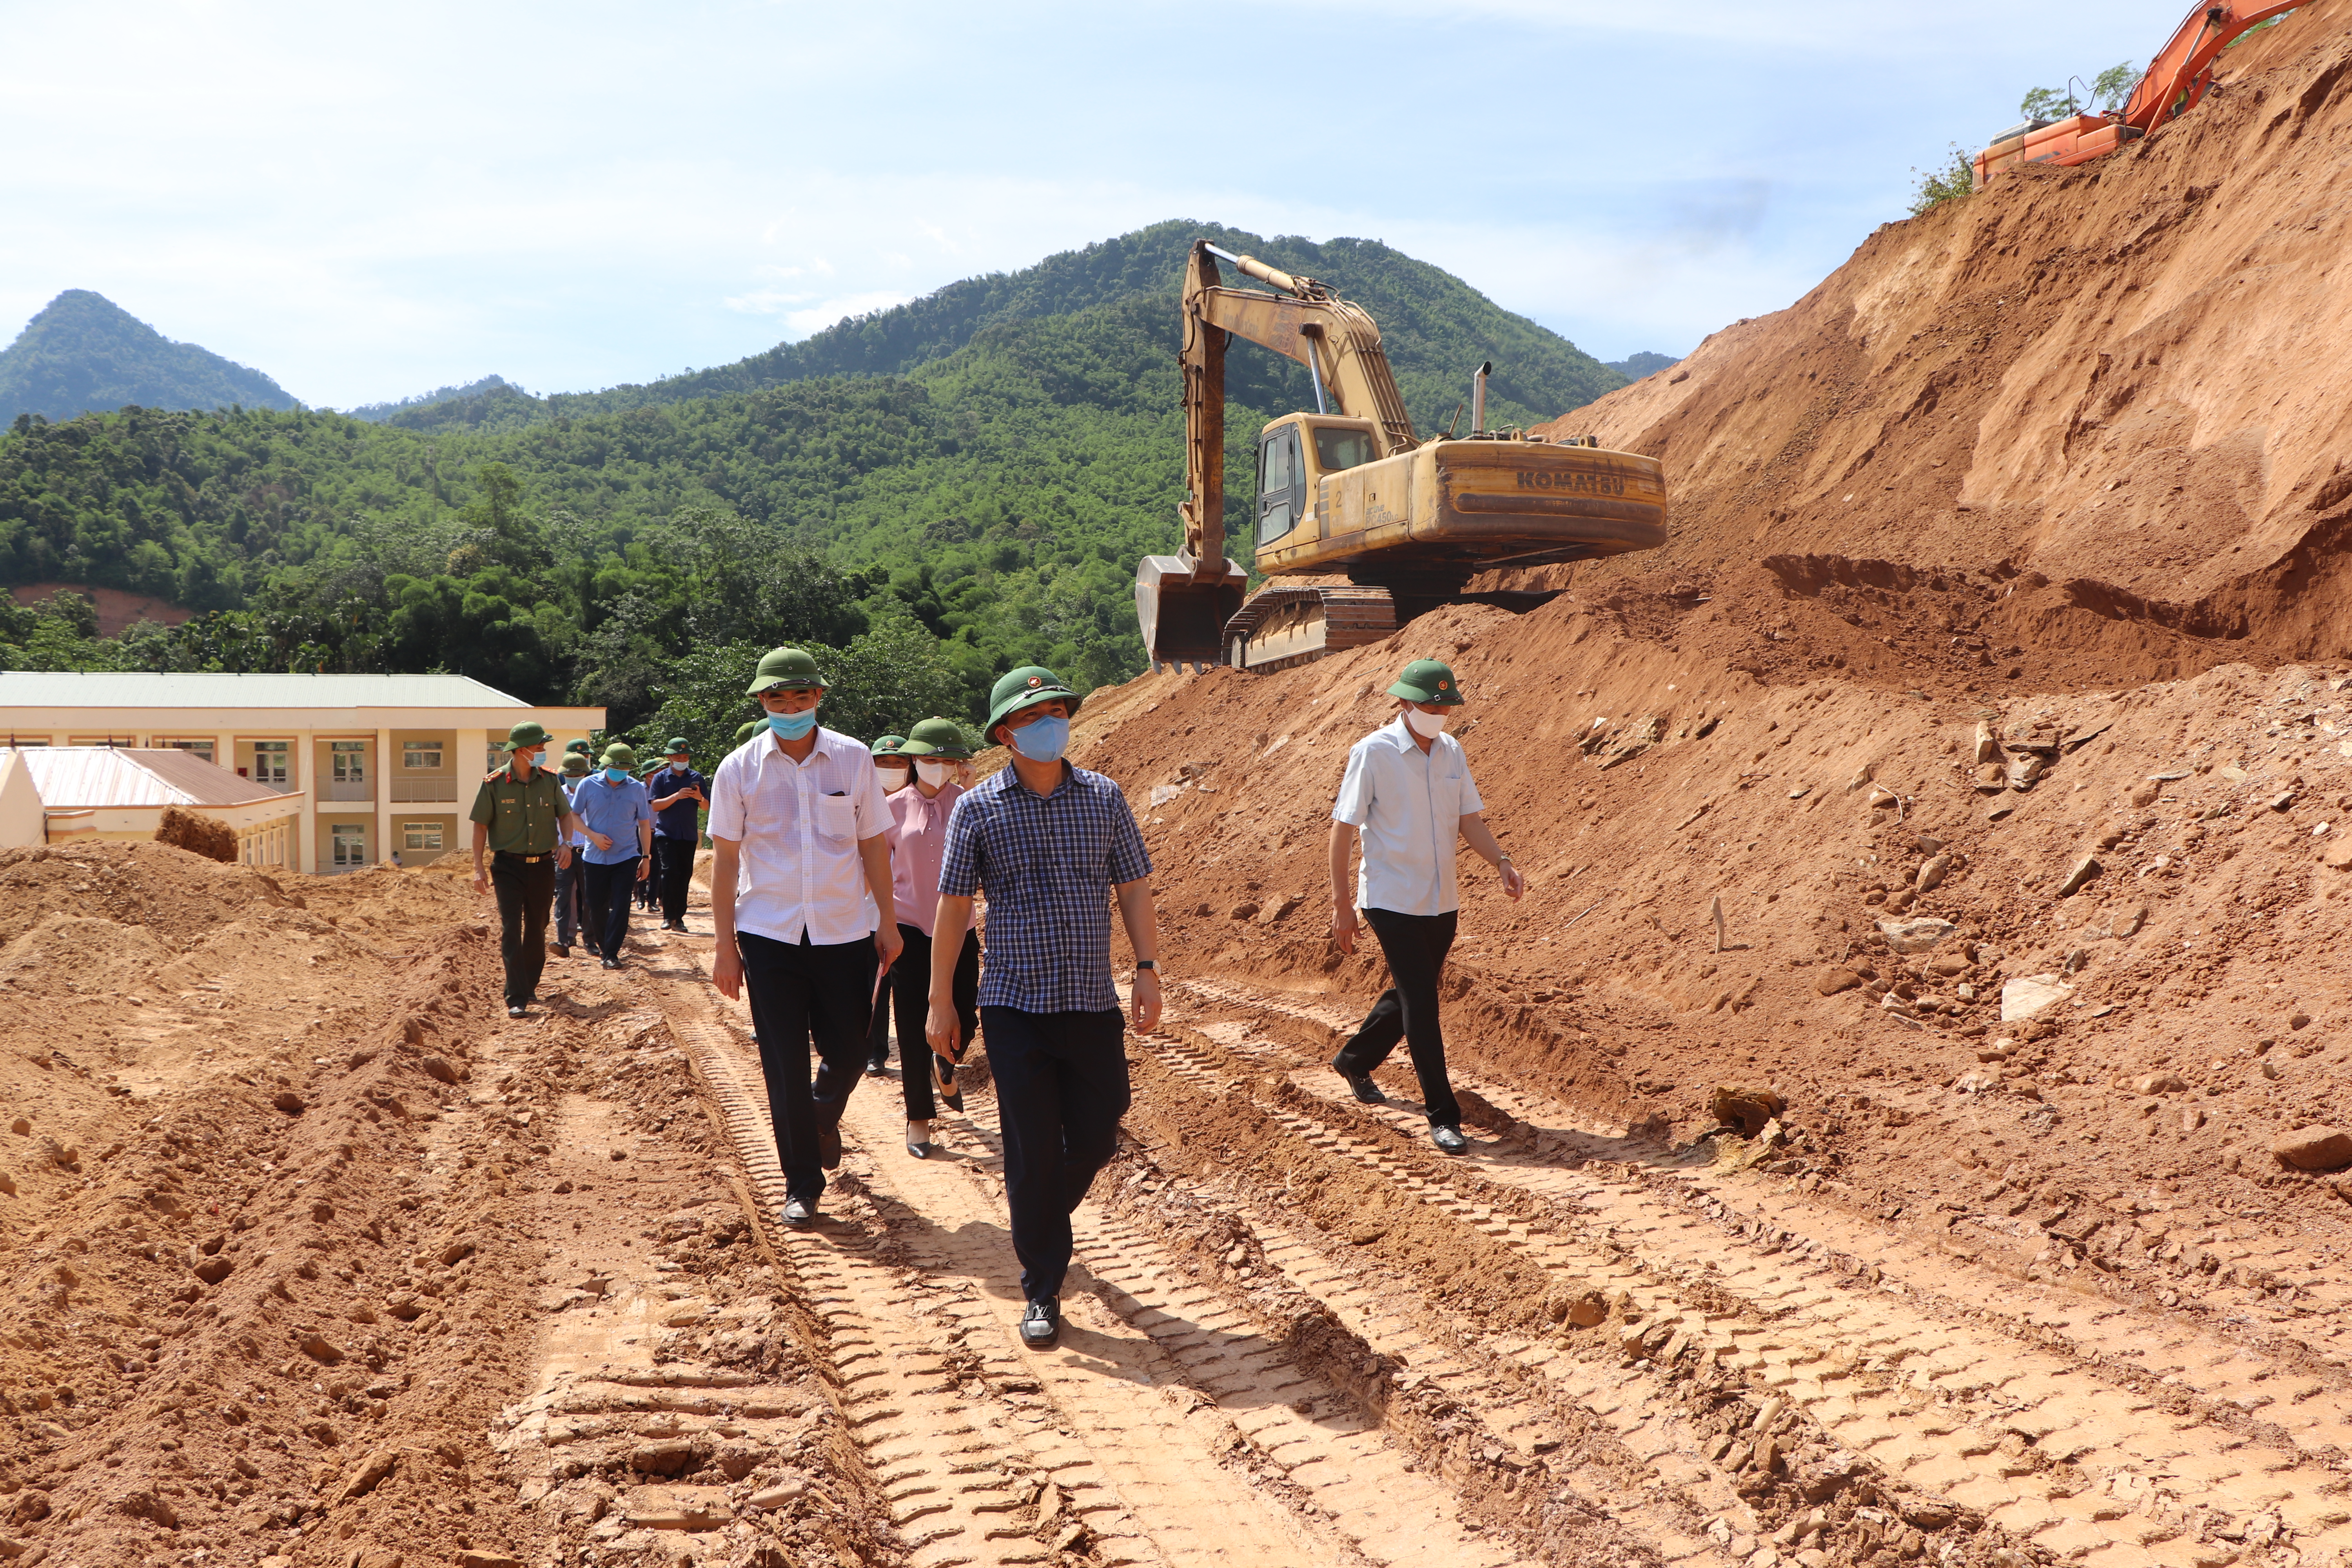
<point x="1392" y="525"/>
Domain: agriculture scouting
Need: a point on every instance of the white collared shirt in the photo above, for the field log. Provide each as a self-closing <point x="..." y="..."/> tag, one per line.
<point x="1409" y="808"/>
<point x="798" y="872"/>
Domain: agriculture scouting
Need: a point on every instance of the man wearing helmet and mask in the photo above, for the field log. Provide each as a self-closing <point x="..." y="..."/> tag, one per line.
<point x="798" y="829"/>
<point x="1053" y="846"/>
<point x="523" y="821"/>
<point x="1407" y="793"/>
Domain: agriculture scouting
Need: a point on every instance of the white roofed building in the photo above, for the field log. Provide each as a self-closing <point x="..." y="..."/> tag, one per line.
<point x="377" y="766"/>
<point x="108" y="792"/>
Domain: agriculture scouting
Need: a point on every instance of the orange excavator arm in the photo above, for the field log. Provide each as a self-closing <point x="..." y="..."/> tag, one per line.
<point x="2180" y="75"/>
<point x="2181" y="71"/>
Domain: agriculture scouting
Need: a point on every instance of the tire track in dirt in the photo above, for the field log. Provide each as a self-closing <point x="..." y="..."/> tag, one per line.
<point x="1908" y="1374"/>
<point x="1101" y="1452"/>
<point x="1292" y="1400"/>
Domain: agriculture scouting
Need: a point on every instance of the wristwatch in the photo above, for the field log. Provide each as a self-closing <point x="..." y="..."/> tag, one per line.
<point x="1150" y="963"/>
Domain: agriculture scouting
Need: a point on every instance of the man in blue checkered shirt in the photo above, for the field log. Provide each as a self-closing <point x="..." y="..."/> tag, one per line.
<point x="1052" y="846"/>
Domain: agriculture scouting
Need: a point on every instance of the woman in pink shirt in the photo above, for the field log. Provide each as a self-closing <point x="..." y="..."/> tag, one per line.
<point x="941" y="761"/>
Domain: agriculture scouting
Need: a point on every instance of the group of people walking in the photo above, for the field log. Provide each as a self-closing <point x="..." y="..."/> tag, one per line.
<point x="845" y="885"/>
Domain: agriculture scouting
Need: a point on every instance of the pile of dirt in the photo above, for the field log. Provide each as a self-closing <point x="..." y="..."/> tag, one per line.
<point x="279" y="1195"/>
<point x="2125" y="378"/>
<point x="199" y="834"/>
<point x="2005" y="593"/>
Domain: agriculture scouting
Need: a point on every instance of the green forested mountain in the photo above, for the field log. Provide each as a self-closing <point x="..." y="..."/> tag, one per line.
<point x="83" y="352"/>
<point x="1633" y="367"/>
<point x="378" y="413"/>
<point x="1436" y="328"/>
<point x="979" y="505"/>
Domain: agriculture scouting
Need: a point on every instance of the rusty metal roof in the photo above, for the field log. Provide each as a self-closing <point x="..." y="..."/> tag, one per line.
<point x="71" y="778"/>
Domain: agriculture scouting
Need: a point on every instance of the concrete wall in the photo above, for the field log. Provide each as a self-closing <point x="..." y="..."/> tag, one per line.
<point x="20" y="804"/>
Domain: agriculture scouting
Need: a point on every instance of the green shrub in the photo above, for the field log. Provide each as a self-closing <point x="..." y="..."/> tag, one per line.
<point x="1949" y="182"/>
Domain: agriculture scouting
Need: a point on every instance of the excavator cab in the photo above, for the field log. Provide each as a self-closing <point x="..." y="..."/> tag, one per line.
<point x="1295" y="454"/>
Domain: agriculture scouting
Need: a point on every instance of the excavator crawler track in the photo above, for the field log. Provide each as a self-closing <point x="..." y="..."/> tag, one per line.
<point x="1278" y="627"/>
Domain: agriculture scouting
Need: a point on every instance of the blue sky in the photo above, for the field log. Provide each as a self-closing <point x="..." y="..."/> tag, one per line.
<point x="371" y="202"/>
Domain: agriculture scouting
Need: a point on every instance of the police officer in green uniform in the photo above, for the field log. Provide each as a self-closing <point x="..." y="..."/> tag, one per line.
<point x="522" y="818"/>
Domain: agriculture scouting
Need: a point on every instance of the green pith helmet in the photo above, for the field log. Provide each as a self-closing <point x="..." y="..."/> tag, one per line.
<point x="1018" y="688"/>
<point x="786" y="669"/>
<point x="887" y="745"/>
<point x="530" y="732"/>
<point x="936" y="738"/>
<point x="678" y="747"/>
<point x="1426" y="680"/>
<point x="621" y="755"/>
<point x="744" y="733"/>
<point x="575" y="765"/>
<point x="579" y="747"/>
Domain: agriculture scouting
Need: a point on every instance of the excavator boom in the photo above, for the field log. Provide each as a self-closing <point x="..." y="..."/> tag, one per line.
<point x="2175" y="80"/>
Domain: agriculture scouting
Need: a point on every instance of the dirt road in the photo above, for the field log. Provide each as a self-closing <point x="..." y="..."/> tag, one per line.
<point x="512" y="1292"/>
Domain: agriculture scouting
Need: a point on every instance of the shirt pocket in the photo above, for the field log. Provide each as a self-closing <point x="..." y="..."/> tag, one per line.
<point x="837" y="817"/>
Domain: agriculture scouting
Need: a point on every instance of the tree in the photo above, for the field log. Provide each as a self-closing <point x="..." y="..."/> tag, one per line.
<point x="2109" y="90"/>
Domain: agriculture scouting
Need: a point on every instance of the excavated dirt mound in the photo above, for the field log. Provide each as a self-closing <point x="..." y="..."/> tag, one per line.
<point x="2126" y="378"/>
<point x="282" y="1195"/>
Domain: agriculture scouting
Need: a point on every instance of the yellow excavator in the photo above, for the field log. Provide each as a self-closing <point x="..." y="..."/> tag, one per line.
<point x="1349" y="492"/>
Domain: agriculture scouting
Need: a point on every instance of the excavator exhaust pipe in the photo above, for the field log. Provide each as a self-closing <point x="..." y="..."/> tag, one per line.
<point x="1478" y="397"/>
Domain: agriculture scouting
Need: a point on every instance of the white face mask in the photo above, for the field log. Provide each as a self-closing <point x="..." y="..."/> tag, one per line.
<point x="931" y="774"/>
<point x="1428" y="726"/>
<point x="894" y="776"/>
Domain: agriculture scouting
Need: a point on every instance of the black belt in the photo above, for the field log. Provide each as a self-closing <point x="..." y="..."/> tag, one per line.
<point x="526" y="860"/>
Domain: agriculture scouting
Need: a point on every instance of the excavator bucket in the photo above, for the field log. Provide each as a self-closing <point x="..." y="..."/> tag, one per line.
<point x="1183" y="614"/>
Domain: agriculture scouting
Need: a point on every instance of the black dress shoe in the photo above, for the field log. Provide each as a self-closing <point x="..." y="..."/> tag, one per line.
<point x="562" y="949"/>
<point x="1361" y="1084"/>
<point x="515" y="1010"/>
<point x="1450" y="1139"/>
<point x="611" y="964"/>
<point x="799" y="1212"/>
<point x="877" y="1067"/>
<point x="1041" y="1323"/>
<point x="828" y="1146"/>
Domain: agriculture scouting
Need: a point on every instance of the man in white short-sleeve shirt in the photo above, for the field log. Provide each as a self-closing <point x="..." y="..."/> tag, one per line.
<point x="1408" y="794"/>
<point x="800" y="892"/>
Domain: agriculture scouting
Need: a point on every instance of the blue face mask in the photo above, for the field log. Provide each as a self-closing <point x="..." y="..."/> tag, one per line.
<point x="1043" y="739"/>
<point x="616" y="776"/>
<point x="793" y="726"/>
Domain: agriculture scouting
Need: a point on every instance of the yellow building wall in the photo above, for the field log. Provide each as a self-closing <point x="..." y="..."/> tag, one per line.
<point x="452" y="835"/>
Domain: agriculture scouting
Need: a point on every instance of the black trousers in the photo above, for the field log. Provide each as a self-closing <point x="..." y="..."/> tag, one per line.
<point x="803" y="994"/>
<point x="1415" y="946"/>
<point x="571" y="902"/>
<point x="526" y="890"/>
<point x="1061" y="1087"/>
<point x="673" y="870"/>
<point x="910" y="984"/>
<point x="610" y="888"/>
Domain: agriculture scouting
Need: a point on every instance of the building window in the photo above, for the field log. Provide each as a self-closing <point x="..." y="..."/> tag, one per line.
<point x="350" y="761"/>
<point x="421" y="755"/>
<point x="420" y="836"/>
<point x="350" y="844"/>
<point x="269" y="762"/>
<point x="102" y="741"/>
<point x="496" y="758"/>
<point x="194" y="748"/>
